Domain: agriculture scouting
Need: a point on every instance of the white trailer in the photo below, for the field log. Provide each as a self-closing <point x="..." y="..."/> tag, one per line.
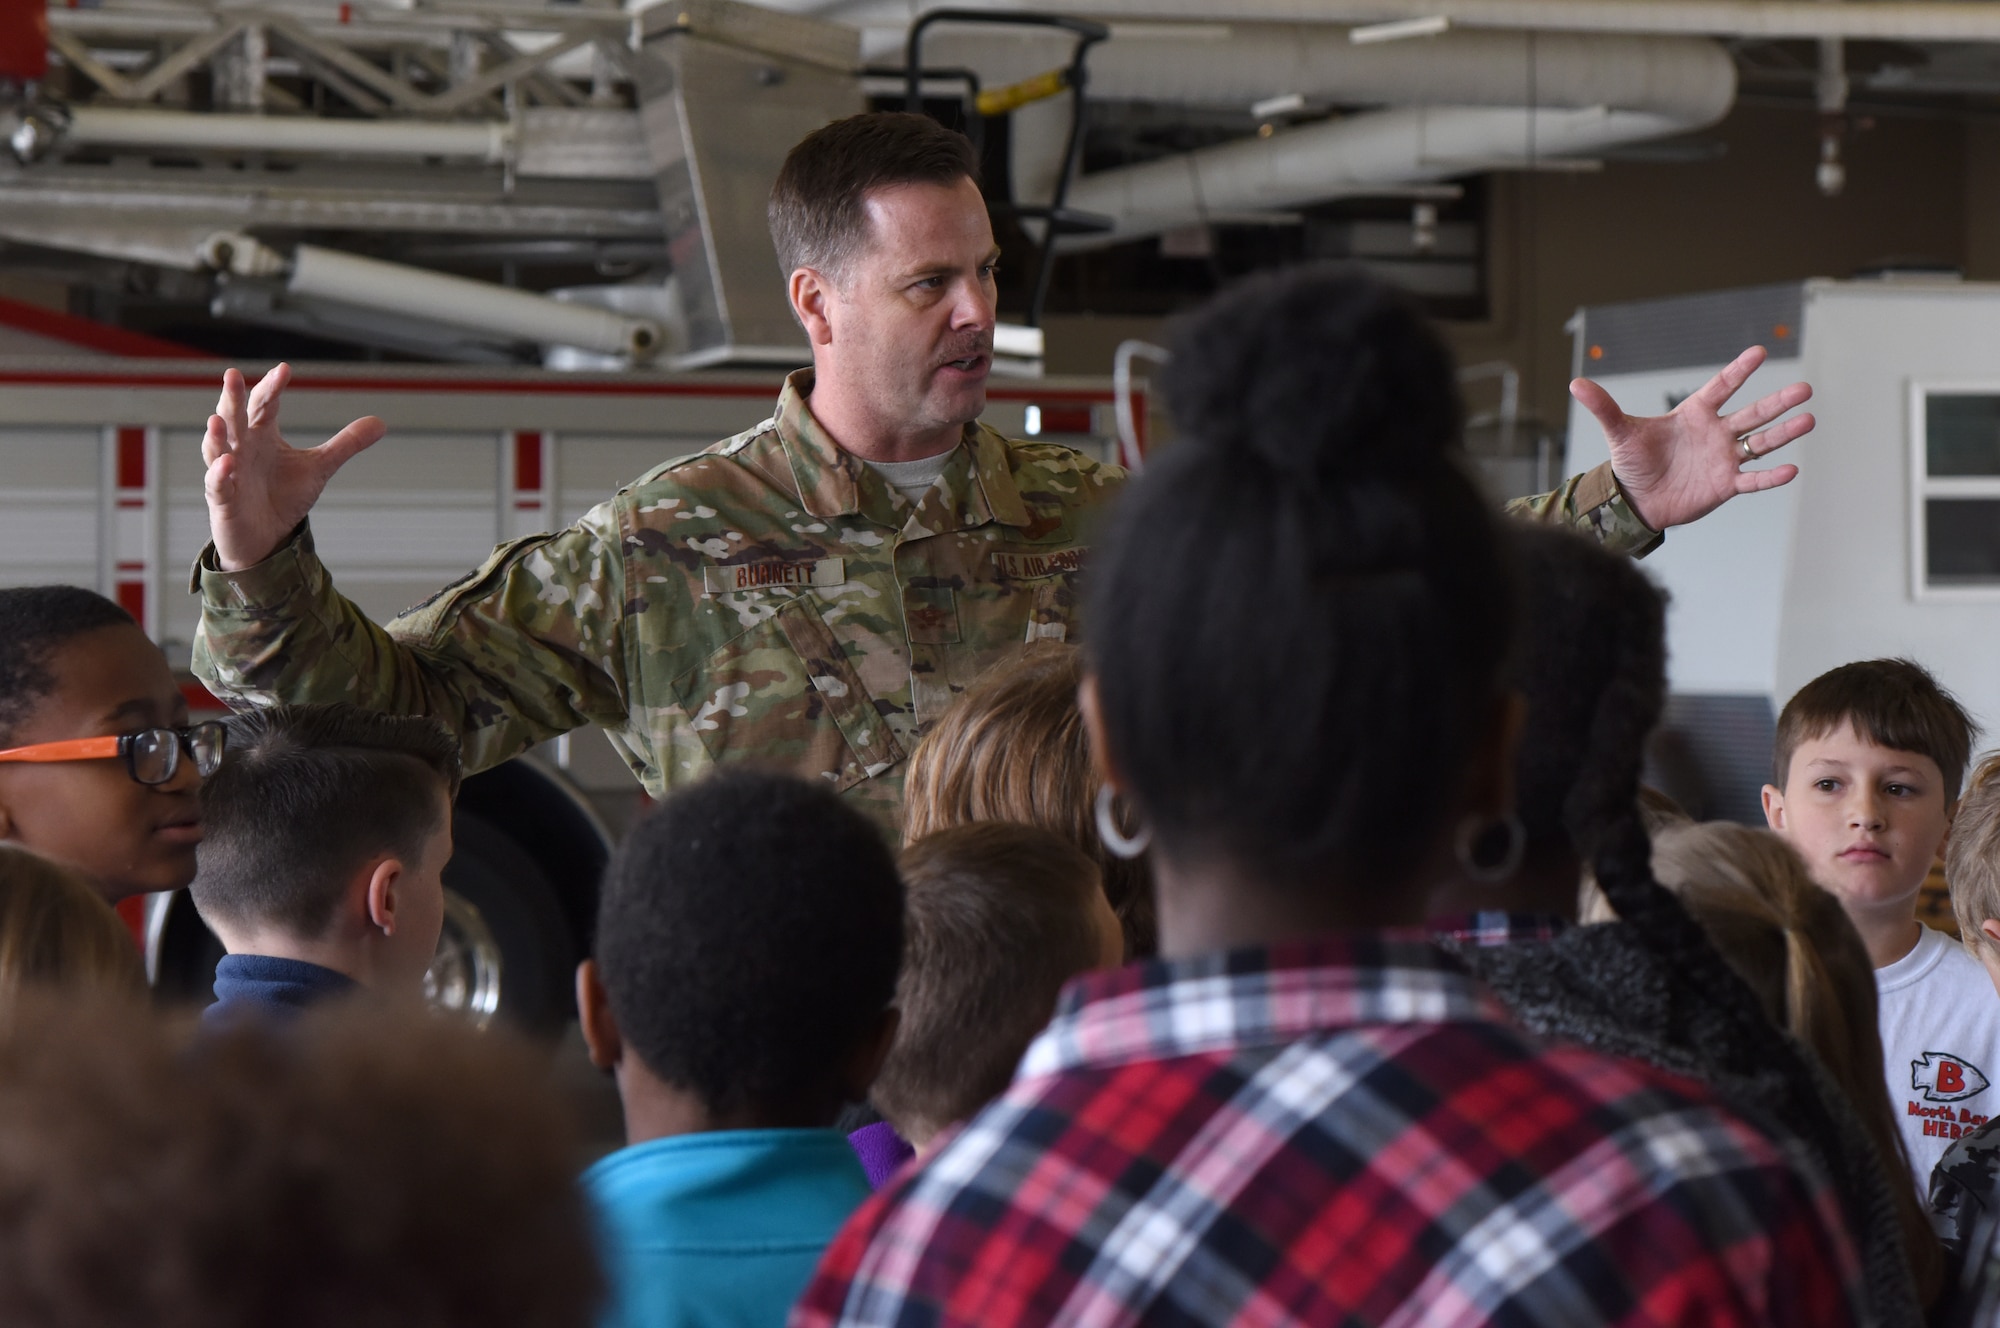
<point x="101" y="485"/>
<point x="1887" y="543"/>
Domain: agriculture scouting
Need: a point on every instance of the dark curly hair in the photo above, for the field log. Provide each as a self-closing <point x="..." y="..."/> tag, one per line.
<point x="34" y="621"/>
<point x="749" y="936"/>
<point x="1594" y="662"/>
<point x="1300" y="612"/>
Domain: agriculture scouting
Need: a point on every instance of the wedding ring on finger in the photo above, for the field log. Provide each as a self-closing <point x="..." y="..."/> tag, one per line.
<point x="1743" y="446"/>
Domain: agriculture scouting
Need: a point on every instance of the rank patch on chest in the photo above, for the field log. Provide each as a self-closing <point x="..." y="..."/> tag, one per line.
<point x="1014" y="566"/>
<point x="735" y="578"/>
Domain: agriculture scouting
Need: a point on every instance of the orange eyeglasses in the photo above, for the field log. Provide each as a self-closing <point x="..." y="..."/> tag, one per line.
<point x="152" y="756"/>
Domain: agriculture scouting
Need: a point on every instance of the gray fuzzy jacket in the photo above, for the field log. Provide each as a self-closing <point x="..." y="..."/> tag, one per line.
<point x="1607" y="987"/>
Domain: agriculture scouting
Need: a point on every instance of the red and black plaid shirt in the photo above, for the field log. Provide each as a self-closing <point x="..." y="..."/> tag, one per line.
<point x="1347" y="1131"/>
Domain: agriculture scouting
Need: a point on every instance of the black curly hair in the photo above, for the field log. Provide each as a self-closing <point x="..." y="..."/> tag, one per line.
<point x="749" y="936"/>
<point x="34" y="621"/>
<point x="1300" y="610"/>
<point x="1593" y="669"/>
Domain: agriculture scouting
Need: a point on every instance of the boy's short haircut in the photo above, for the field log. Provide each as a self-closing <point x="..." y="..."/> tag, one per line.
<point x="305" y="796"/>
<point x="748" y="936"/>
<point x="351" y="1168"/>
<point x="1972" y="852"/>
<point x="34" y="621"/>
<point x="1893" y="703"/>
<point x="999" y="917"/>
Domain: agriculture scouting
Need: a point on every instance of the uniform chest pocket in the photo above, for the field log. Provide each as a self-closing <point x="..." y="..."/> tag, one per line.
<point x="1028" y="596"/>
<point x="783" y="695"/>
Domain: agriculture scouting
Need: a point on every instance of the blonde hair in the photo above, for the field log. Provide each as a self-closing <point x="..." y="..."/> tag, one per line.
<point x="1972" y="853"/>
<point x="1013" y="748"/>
<point x="55" y="931"/>
<point x="1792" y="943"/>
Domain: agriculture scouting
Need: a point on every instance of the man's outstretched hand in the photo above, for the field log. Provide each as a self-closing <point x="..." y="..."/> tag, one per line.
<point x="258" y="485"/>
<point x="1679" y="467"/>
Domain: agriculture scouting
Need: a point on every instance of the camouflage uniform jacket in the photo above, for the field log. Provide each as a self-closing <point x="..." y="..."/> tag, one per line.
<point x="1965" y="1190"/>
<point x="771" y="599"/>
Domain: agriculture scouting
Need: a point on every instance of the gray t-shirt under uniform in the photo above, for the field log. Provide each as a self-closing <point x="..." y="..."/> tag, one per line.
<point x="912" y="479"/>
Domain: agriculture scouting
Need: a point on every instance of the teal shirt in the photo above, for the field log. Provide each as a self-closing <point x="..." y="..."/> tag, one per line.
<point x="720" y="1230"/>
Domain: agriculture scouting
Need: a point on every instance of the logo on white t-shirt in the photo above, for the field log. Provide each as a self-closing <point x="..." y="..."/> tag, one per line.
<point x="1944" y="1077"/>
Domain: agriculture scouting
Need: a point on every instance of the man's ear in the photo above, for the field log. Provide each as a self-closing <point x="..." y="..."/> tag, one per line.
<point x="1774" y="807"/>
<point x="858" y="1075"/>
<point x="380" y="894"/>
<point x="1990" y="929"/>
<point x="812" y="298"/>
<point x="593" y="1016"/>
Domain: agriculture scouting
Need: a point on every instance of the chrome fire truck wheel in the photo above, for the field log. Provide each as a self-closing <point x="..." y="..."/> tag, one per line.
<point x="465" y="974"/>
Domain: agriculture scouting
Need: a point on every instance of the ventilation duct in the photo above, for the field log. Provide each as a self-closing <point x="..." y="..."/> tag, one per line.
<point x="1591" y="92"/>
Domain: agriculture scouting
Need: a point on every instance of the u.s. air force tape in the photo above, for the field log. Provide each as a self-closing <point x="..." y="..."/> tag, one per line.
<point x="1031" y="566"/>
<point x="734" y="578"/>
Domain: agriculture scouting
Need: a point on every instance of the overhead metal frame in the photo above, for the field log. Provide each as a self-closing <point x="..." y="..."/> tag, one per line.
<point x="1059" y="219"/>
<point x="426" y="63"/>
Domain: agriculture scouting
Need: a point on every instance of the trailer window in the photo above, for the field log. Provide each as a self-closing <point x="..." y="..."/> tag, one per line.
<point x="1957" y="465"/>
<point x="1962" y="435"/>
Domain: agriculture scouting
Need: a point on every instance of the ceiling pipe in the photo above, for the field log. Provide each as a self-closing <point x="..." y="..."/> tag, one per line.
<point x="496" y="312"/>
<point x="1687" y="81"/>
<point x="1340" y="158"/>
<point x="1245" y="63"/>
<point x="486" y="141"/>
<point x="1885" y="20"/>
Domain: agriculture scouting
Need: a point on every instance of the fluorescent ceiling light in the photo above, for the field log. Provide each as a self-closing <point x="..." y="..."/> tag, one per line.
<point x="1401" y="28"/>
<point x="1285" y="105"/>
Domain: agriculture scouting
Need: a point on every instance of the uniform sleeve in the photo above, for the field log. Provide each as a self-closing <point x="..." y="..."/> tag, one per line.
<point x="526" y="647"/>
<point x="1962" y="1191"/>
<point x="1594" y="504"/>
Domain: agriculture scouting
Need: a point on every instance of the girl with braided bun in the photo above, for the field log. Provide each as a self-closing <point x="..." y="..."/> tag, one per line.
<point x="1649" y="985"/>
<point x="1303" y="1111"/>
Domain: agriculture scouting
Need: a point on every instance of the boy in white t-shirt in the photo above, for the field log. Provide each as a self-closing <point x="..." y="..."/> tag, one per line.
<point x="1869" y="758"/>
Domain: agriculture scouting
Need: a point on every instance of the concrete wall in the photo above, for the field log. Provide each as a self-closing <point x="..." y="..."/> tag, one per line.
<point x="1750" y="216"/>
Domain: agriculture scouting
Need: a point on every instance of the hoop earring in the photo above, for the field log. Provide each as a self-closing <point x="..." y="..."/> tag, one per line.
<point x="1465" y="847"/>
<point x="1120" y="843"/>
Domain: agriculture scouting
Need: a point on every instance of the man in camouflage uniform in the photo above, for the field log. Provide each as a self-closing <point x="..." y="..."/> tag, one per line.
<point x="812" y="592"/>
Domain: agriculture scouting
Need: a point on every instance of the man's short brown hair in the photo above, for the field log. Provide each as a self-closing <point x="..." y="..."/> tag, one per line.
<point x="1893" y="703"/>
<point x="818" y="209"/>
<point x="1972" y="853"/>
<point x="998" y="917"/>
<point x="354" y="1167"/>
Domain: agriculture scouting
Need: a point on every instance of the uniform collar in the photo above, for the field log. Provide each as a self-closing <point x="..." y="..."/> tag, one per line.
<point x="977" y="486"/>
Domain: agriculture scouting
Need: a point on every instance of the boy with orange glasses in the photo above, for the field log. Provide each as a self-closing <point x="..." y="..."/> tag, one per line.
<point x="99" y="768"/>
